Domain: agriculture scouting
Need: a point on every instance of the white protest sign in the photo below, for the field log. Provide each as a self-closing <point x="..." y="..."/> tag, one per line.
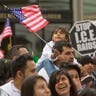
<point x="83" y="37"/>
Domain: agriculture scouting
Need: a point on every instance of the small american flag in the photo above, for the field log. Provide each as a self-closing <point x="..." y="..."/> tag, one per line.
<point x="7" y="31"/>
<point x="30" y="17"/>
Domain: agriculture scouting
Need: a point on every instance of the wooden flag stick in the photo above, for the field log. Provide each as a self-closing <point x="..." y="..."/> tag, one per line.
<point x="42" y="39"/>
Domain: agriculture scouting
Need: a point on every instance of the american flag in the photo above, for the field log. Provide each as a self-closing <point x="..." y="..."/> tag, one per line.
<point x="30" y="17"/>
<point x="7" y="31"/>
<point x="1" y="54"/>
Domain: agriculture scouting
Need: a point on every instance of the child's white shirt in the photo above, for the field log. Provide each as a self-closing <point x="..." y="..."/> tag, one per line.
<point x="47" y="51"/>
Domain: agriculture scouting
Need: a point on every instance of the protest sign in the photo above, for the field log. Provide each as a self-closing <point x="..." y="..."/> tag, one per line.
<point x="83" y="37"/>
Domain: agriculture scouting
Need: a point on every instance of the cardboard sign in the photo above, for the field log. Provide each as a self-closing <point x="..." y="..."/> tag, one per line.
<point x="83" y="37"/>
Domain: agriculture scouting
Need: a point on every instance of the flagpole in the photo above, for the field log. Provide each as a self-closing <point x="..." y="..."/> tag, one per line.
<point x="42" y="39"/>
<point x="10" y="40"/>
<point x="10" y="43"/>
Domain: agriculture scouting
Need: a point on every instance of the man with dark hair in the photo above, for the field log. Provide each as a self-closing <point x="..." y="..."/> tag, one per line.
<point x="63" y="51"/>
<point x="74" y="72"/>
<point x="22" y="67"/>
<point x="16" y="51"/>
<point x="87" y="64"/>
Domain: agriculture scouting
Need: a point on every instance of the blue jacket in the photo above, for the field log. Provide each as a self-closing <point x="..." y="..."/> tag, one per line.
<point x="47" y="65"/>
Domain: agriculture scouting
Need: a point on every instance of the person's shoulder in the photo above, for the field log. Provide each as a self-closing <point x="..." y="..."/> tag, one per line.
<point x="5" y="89"/>
<point x="6" y="85"/>
<point x="3" y="93"/>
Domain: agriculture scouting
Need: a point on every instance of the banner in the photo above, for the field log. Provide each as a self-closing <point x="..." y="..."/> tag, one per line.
<point x="83" y="37"/>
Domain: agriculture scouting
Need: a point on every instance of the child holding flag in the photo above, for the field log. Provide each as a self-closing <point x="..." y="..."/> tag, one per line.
<point x="59" y="34"/>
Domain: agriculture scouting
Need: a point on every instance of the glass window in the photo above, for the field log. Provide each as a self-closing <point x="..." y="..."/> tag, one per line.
<point x="53" y="4"/>
<point x="89" y="9"/>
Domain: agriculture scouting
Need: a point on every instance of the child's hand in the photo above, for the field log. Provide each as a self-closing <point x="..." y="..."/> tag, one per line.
<point x="55" y="54"/>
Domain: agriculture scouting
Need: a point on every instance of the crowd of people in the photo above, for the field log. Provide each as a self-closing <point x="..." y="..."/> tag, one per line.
<point x="57" y="73"/>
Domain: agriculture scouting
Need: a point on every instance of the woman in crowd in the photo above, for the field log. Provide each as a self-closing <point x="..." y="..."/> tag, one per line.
<point x="35" y="86"/>
<point x="61" y="84"/>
